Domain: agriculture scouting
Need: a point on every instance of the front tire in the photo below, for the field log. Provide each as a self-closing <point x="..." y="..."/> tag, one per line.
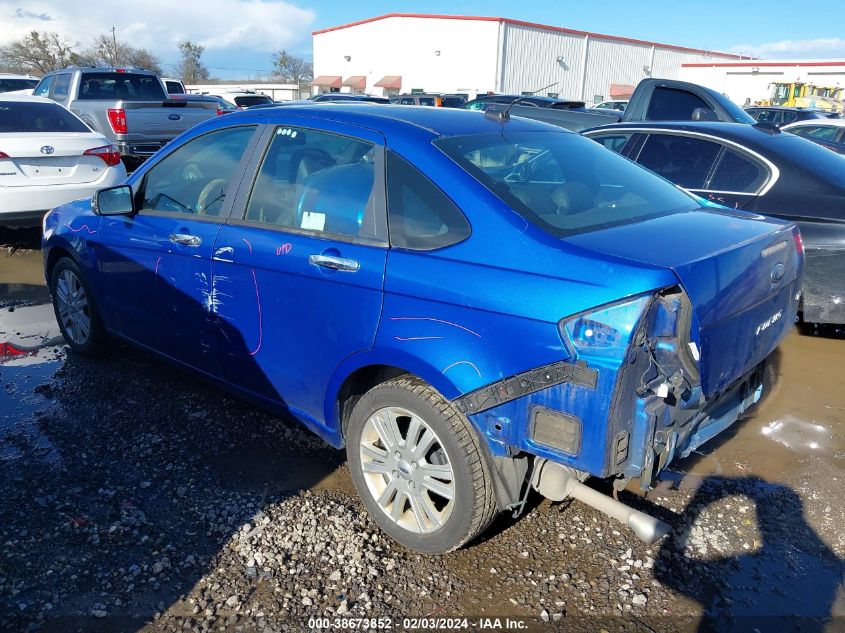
<point x="419" y="467"/>
<point x="76" y="311"/>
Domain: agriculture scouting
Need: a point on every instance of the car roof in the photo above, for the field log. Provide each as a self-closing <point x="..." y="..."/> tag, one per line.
<point x="824" y="122"/>
<point x="397" y="120"/>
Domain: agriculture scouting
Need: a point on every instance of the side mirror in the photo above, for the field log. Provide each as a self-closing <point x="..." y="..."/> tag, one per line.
<point x="704" y="114"/>
<point x="114" y="201"/>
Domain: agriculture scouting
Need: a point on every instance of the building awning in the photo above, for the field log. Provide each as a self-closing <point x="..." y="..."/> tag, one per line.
<point x="356" y="82"/>
<point x="621" y="91"/>
<point x="327" y="81"/>
<point x="390" y="82"/>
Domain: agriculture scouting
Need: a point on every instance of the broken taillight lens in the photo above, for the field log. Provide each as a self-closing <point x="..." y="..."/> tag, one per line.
<point x="604" y="331"/>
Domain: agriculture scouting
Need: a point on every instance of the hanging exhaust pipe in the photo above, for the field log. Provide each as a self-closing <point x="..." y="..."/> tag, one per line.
<point x="557" y="483"/>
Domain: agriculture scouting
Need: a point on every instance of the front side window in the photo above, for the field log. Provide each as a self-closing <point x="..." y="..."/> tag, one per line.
<point x="820" y="132"/>
<point x="43" y="88"/>
<point x="195" y="177"/>
<point x="563" y="182"/>
<point x="420" y="216"/>
<point x="736" y="173"/>
<point x="316" y="181"/>
<point x="684" y="160"/>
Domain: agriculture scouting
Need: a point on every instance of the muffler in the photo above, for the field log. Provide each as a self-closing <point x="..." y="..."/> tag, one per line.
<point x="557" y="483"/>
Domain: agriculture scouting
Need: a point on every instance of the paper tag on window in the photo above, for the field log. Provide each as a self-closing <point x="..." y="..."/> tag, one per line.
<point x="313" y="220"/>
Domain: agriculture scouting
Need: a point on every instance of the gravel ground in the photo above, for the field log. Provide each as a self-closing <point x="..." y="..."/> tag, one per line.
<point x="135" y="497"/>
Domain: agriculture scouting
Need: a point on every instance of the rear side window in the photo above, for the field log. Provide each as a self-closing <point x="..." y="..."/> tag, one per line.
<point x="684" y="160"/>
<point x="736" y="173"/>
<point x="671" y="104"/>
<point x="789" y="117"/>
<point x="426" y="101"/>
<point x="175" y="88"/>
<point x="116" y="86"/>
<point x="563" y="182"/>
<point x="195" y="177"/>
<point x="21" y="116"/>
<point x="61" y="87"/>
<point x="420" y="216"/>
<point x="613" y="142"/>
<point x="819" y="132"/>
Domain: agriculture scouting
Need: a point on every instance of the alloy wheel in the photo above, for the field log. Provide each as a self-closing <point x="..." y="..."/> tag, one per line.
<point x="74" y="310"/>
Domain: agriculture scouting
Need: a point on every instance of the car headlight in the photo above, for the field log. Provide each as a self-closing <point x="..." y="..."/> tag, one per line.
<point x="606" y="331"/>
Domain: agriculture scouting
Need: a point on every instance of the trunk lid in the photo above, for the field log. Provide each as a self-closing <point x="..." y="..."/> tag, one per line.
<point x="741" y="273"/>
<point x="50" y="158"/>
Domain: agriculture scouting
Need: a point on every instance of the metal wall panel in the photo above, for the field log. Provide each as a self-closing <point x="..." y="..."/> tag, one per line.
<point x="531" y="61"/>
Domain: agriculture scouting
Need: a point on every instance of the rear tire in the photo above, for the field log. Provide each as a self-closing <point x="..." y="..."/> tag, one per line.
<point x="419" y="466"/>
<point x="76" y="311"/>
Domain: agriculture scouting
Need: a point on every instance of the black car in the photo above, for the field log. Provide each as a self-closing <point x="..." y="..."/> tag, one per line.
<point x="352" y="98"/>
<point x="829" y="133"/>
<point x="485" y="102"/>
<point x="756" y="168"/>
<point x="782" y="115"/>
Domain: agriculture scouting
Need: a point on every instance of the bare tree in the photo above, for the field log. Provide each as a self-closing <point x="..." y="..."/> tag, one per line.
<point x="191" y="69"/>
<point x="292" y="69"/>
<point x="39" y="52"/>
<point x="108" y="51"/>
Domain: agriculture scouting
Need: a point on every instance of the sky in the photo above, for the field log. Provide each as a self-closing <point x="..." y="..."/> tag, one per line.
<point x="240" y="36"/>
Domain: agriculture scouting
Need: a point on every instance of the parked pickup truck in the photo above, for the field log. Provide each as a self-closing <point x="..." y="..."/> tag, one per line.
<point x="128" y="106"/>
<point x="653" y="100"/>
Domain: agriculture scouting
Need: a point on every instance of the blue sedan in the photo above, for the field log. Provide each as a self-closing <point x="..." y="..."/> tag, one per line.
<point x="473" y="306"/>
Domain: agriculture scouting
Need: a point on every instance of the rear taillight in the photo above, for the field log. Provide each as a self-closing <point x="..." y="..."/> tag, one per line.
<point x="109" y="154"/>
<point x="799" y="243"/>
<point x="117" y="120"/>
<point x="220" y="112"/>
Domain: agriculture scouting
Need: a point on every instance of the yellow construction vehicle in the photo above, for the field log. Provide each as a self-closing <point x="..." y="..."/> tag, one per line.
<point x="798" y="94"/>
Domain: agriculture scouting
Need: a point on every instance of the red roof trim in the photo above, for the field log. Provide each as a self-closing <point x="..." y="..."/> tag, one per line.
<point x="535" y="25"/>
<point x="760" y="64"/>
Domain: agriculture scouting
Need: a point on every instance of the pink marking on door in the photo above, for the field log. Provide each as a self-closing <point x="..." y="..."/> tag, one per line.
<point x="246" y="241"/>
<point x="284" y="249"/>
<point x="465" y="329"/>
<point x="158" y="261"/>
<point x="417" y="338"/>
<point x="260" y="323"/>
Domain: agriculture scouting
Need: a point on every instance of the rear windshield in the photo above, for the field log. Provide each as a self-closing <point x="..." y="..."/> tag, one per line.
<point x="114" y="86"/>
<point x="563" y="182"/>
<point x="174" y="88"/>
<point x="19" y="116"/>
<point x="7" y="85"/>
<point x="245" y="102"/>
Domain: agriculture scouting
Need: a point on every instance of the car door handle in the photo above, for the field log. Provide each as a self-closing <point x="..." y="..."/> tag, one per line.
<point x="335" y="263"/>
<point x="185" y="239"/>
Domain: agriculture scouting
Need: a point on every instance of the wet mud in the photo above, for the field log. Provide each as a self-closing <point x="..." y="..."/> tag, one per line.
<point x="127" y="487"/>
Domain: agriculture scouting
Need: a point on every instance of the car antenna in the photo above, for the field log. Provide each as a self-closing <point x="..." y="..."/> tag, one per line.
<point x="503" y="116"/>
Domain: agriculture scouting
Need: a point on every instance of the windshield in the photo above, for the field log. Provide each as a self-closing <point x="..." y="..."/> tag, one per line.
<point x="115" y="86"/>
<point x="21" y="116"/>
<point x="563" y="182"/>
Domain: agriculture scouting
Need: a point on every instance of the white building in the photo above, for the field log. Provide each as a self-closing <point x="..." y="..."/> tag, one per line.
<point x="402" y="52"/>
<point x="751" y="80"/>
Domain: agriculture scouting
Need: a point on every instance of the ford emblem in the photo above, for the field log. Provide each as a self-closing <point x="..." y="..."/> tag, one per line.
<point x="778" y="272"/>
<point x="47" y="149"/>
<point x="174" y="117"/>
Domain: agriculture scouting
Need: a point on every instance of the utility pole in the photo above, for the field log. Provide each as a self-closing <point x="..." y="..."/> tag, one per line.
<point x="114" y="47"/>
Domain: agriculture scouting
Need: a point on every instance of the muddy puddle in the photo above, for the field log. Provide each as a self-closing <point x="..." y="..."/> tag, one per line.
<point x="31" y="352"/>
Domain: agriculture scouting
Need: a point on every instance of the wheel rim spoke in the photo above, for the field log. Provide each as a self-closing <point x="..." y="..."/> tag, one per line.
<point x="72" y="306"/>
<point x="409" y="475"/>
